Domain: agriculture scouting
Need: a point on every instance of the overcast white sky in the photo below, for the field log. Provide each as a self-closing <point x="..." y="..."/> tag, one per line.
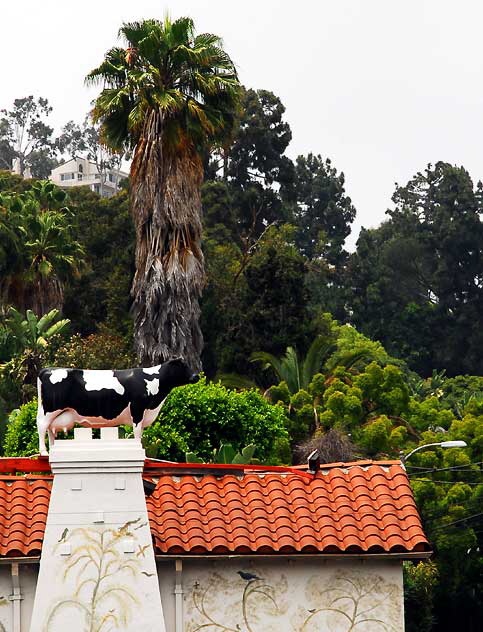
<point x="382" y="87"/>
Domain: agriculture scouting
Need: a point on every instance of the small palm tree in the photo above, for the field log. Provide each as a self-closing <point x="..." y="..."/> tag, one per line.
<point x="29" y="336"/>
<point x="40" y="250"/>
<point x="31" y="332"/>
<point x="297" y="373"/>
<point x="169" y="95"/>
<point x="51" y="255"/>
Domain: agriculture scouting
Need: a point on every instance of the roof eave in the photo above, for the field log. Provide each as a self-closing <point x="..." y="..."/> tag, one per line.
<point x="410" y="555"/>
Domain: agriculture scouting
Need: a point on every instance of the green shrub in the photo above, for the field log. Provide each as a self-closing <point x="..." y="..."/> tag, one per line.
<point x="21" y="438"/>
<point x="101" y="350"/>
<point x="199" y="417"/>
<point x="420" y="582"/>
<point x="376" y="435"/>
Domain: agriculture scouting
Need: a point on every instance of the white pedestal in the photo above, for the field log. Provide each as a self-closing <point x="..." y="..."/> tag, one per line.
<point x="97" y="569"/>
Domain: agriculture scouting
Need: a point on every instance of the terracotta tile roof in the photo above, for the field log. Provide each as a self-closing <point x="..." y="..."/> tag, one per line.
<point x="363" y="507"/>
<point x="24" y="505"/>
<point x="345" y="508"/>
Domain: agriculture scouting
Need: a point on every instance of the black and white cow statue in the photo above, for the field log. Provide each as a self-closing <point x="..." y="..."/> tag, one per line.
<point x="96" y="399"/>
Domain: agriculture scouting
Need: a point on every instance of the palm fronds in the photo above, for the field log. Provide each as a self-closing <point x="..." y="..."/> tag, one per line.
<point x="290" y="369"/>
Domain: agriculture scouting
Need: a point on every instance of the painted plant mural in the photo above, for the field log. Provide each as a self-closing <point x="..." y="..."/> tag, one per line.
<point x="100" y="572"/>
<point x="347" y="601"/>
<point x="350" y="602"/>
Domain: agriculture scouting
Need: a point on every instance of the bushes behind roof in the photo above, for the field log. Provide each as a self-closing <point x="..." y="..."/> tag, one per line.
<point x="21" y="438"/>
<point x="199" y="417"/>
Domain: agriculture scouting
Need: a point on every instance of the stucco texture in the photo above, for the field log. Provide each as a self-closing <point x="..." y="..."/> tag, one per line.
<point x="302" y="595"/>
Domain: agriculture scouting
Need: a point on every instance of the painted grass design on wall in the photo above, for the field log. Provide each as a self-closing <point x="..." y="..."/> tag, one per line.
<point x="99" y="571"/>
<point x="351" y="602"/>
<point x="257" y="598"/>
<point x="346" y="601"/>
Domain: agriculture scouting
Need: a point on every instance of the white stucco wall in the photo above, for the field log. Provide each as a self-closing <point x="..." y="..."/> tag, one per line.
<point x="89" y="176"/>
<point x="28" y="574"/>
<point x="293" y="595"/>
<point x="301" y="595"/>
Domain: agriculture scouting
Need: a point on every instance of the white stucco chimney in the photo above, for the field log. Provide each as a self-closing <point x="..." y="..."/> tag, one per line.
<point x="97" y="565"/>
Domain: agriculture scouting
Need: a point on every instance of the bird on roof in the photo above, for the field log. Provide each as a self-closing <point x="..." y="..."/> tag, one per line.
<point x="248" y="577"/>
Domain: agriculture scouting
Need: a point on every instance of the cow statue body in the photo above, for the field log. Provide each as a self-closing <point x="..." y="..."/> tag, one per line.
<point x="97" y="398"/>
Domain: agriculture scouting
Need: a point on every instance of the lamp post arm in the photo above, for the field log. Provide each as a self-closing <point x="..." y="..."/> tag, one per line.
<point x="421" y="447"/>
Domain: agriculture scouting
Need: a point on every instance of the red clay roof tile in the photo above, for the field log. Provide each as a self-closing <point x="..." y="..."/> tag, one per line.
<point x="24" y="505"/>
<point x="345" y="508"/>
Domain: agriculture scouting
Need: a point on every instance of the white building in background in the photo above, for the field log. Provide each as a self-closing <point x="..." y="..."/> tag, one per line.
<point x="82" y="172"/>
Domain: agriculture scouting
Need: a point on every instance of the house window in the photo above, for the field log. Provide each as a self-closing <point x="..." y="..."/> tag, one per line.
<point x="96" y="188"/>
<point x="79" y="176"/>
<point x="112" y="177"/>
<point x="67" y="176"/>
<point x="81" y="170"/>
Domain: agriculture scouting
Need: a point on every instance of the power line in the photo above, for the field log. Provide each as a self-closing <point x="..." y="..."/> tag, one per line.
<point x="444" y="469"/>
<point x="433" y="514"/>
<point x="429" y="480"/>
<point x="449" y="524"/>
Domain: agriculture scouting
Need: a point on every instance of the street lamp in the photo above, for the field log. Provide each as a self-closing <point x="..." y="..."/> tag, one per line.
<point x="441" y="444"/>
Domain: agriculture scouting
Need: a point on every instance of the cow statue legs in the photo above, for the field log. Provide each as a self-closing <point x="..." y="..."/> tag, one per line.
<point x="143" y="418"/>
<point x="44" y="425"/>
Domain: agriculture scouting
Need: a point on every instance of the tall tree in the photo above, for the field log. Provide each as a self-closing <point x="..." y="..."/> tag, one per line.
<point x="261" y="140"/>
<point x="417" y="281"/>
<point x="324" y="211"/>
<point x="260" y="175"/>
<point x="169" y="95"/>
<point x="26" y="137"/>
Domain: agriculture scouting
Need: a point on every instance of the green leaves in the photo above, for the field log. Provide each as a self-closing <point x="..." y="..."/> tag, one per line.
<point x="31" y="332"/>
<point x="190" y="80"/>
<point x="205" y="416"/>
<point x="228" y="455"/>
<point x="41" y="251"/>
<point x="21" y="438"/>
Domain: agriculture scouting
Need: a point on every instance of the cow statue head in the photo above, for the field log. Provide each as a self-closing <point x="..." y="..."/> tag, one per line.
<point x="97" y="398"/>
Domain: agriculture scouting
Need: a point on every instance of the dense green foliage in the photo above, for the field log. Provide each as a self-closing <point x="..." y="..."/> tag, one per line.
<point x="38" y="251"/>
<point x="201" y="416"/>
<point x="418" y="278"/>
<point x="21" y="437"/>
<point x="420" y="581"/>
<point x="101" y="294"/>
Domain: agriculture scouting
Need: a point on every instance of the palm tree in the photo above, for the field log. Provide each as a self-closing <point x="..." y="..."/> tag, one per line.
<point x="29" y="337"/>
<point x="42" y="252"/>
<point x="31" y="332"/>
<point x="169" y="95"/>
<point x="298" y="373"/>
<point x="52" y="255"/>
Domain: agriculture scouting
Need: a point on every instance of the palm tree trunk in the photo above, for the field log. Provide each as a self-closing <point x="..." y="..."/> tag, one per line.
<point x="46" y="293"/>
<point x="169" y="277"/>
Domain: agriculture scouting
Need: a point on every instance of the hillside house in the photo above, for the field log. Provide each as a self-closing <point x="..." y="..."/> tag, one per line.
<point x="82" y="172"/>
